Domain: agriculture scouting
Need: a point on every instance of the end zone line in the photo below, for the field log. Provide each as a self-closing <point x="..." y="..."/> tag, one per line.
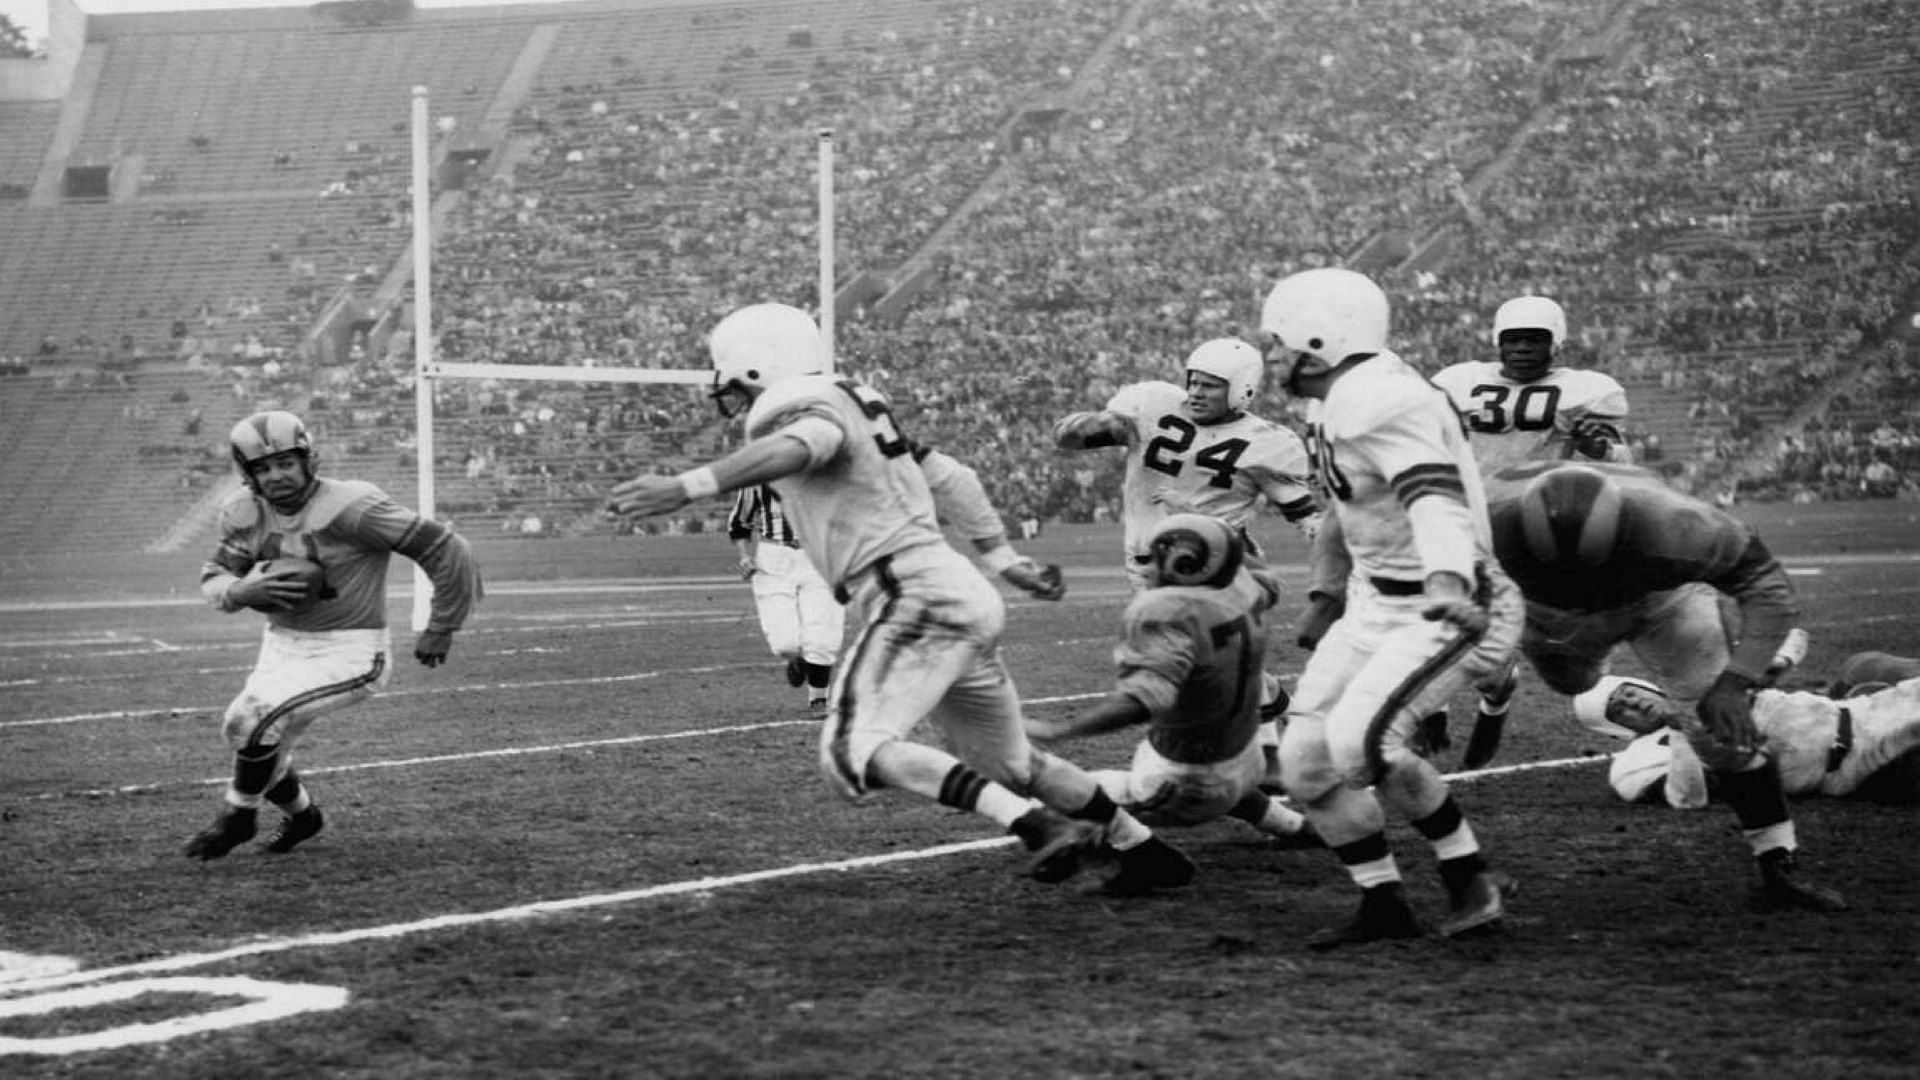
<point x="537" y="909"/>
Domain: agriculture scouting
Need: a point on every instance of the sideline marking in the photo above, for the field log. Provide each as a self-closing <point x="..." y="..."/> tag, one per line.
<point x="540" y="908"/>
<point x="264" y="1001"/>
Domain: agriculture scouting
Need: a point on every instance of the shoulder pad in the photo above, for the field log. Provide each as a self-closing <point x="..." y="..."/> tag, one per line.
<point x="1164" y="605"/>
<point x="1467" y="374"/>
<point x="334" y="496"/>
<point x="790" y="397"/>
<point x="1368" y="398"/>
<point x="241" y="510"/>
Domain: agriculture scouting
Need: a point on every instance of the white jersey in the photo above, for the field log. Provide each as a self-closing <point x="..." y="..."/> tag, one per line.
<point x="1176" y="464"/>
<point x="1824" y="746"/>
<point x="1514" y="421"/>
<point x="1383" y="441"/>
<point x="862" y="495"/>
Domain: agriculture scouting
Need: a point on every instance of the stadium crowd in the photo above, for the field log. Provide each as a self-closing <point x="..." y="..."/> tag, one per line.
<point x="1710" y="252"/>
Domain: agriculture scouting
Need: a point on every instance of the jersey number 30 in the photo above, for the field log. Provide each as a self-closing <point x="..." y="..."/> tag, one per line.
<point x="1533" y="408"/>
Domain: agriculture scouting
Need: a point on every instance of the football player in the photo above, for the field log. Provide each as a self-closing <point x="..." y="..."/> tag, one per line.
<point x="326" y="642"/>
<point x="1199" y="450"/>
<point x="1189" y="667"/>
<point x="1428" y="612"/>
<point x="802" y="622"/>
<point x="1525" y="407"/>
<point x="1861" y="739"/>
<point x="926" y="647"/>
<point x="1607" y="555"/>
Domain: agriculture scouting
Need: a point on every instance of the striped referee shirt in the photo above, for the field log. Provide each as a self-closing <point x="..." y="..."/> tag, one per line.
<point x="756" y="512"/>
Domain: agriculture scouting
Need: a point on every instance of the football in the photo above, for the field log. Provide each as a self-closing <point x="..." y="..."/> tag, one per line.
<point x="310" y="575"/>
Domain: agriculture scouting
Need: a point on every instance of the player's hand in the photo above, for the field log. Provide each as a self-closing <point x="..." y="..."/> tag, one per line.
<point x="747" y="568"/>
<point x="431" y="647"/>
<point x="1727" y="711"/>
<point x="1041" y="582"/>
<point x="1594" y="440"/>
<point x="269" y="590"/>
<point x="1450" y="600"/>
<point x="647" y="496"/>
<point x="1323" y="610"/>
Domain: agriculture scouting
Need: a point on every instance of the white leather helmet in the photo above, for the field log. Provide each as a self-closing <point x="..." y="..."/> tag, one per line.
<point x="1326" y="315"/>
<point x="760" y="345"/>
<point x="1233" y="360"/>
<point x="1530" y="313"/>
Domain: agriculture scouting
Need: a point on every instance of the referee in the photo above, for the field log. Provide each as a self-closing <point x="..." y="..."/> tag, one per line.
<point x="801" y="620"/>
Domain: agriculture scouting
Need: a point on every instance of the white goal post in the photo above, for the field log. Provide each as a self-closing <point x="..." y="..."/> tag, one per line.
<point x="427" y="367"/>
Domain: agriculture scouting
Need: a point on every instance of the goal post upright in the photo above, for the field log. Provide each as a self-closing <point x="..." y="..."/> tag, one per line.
<point x="422" y="337"/>
<point x="825" y="199"/>
<point x="428" y="368"/>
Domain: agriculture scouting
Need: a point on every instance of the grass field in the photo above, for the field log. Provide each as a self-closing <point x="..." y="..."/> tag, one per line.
<point x="594" y="844"/>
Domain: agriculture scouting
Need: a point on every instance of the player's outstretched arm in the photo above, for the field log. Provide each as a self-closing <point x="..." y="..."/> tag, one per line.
<point x="1091" y="430"/>
<point x="1111" y="713"/>
<point x="764" y="459"/>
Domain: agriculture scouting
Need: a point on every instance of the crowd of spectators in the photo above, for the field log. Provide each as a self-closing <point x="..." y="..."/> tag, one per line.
<point x="1714" y="250"/>
<point x="1647" y="196"/>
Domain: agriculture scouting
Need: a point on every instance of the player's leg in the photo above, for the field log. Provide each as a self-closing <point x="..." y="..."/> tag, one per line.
<point x="823" y="626"/>
<point x="776" y="603"/>
<point x="917" y="637"/>
<point x="1347" y="818"/>
<point x="298" y="677"/>
<point x="1490" y="719"/>
<point x="1417" y="665"/>
<point x="1684" y="640"/>
<point x="981" y="718"/>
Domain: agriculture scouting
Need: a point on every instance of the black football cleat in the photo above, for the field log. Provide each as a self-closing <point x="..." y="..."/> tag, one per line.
<point x="1145" y="867"/>
<point x="235" y="826"/>
<point x="1783" y="889"/>
<point x="1383" y="916"/>
<point x="295" y="829"/>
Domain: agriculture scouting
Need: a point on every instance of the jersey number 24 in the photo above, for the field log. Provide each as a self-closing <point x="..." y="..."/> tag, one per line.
<point x="1163" y="454"/>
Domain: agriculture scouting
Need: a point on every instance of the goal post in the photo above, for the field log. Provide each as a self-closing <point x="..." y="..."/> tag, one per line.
<point x="430" y="369"/>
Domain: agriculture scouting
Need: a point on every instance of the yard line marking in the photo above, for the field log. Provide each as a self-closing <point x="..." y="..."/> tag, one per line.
<point x="443" y="759"/>
<point x="188" y="961"/>
<point x="263" y="1001"/>
<point x="531" y="684"/>
<point x="536" y="909"/>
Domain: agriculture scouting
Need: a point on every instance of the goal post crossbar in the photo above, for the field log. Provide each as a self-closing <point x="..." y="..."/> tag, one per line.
<point x="429" y="369"/>
<point x="437" y="369"/>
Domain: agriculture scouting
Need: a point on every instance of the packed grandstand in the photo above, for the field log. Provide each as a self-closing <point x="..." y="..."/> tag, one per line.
<point x="1036" y="202"/>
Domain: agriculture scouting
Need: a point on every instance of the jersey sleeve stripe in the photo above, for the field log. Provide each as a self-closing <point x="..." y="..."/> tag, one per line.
<point x="1432" y="479"/>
